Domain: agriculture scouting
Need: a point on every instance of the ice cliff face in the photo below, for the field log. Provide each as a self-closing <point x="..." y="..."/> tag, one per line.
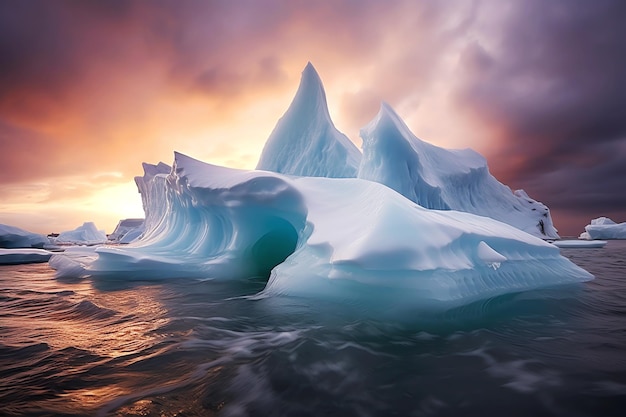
<point x="443" y="179"/>
<point x="321" y="237"/>
<point x="305" y="141"/>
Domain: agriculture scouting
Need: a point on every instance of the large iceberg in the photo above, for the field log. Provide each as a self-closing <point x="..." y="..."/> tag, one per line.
<point x="604" y="228"/>
<point x="305" y="141"/>
<point x="321" y="237"/>
<point x="87" y="234"/>
<point x="14" y="237"/>
<point x="444" y="179"/>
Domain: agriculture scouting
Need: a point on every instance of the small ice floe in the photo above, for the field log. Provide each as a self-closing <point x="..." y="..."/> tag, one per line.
<point x="23" y="256"/>
<point x="579" y="243"/>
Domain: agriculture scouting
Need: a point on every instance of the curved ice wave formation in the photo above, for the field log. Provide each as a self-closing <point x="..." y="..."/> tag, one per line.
<point x="321" y="237"/>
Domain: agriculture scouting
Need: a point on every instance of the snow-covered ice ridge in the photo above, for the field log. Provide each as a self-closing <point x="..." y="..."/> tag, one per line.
<point x="604" y="228"/>
<point x="305" y="142"/>
<point x="320" y="237"/>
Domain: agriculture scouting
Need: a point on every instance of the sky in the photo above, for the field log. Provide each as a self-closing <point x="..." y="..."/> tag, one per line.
<point x="90" y="89"/>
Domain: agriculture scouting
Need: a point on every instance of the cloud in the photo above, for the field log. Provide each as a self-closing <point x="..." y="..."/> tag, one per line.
<point x="90" y="86"/>
<point x="551" y="89"/>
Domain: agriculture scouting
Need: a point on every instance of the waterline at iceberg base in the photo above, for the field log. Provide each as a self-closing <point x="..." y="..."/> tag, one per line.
<point x="328" y="238"/>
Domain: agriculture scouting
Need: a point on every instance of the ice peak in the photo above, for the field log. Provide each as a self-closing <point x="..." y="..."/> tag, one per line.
<point x="386" y="107"/>
<point x="309" y="70"/>
<point x="310" y="96"/>
<point x="388" y="124"/>
<point x="305" y="142"/>
<point x="439" y="178"/>
<point x="392" y="156"/>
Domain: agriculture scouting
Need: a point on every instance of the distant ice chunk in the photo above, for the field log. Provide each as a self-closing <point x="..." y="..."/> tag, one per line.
<point x="23" y="256"/>
<point x="604" y="228"/>
<point x="444" y="179"/>
<point x="87" y="234"/>
<point x="587" y="244"/>
<point x="14" y="237"/>
<point x="305" y="141"/>
<point x="127" y="230"/>
<point x="323" y="237"/>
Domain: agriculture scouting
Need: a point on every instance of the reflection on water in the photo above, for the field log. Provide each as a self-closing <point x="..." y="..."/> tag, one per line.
<point x="190" y="347"/>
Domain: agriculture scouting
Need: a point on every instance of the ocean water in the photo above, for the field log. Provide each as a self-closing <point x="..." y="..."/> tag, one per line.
<point x="200" y="348"/>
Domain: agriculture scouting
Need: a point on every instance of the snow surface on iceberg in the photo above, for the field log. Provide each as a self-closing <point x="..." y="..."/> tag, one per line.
<point x="444" y="179"/>
<point x="87" y="234"/>
<point x="322" y="237"/>
<point x="604" y="228"/>
<point x="14" y="237"/>
<point x="305" y="141"/>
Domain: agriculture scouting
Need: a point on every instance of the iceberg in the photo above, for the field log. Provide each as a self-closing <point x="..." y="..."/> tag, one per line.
<point x="305" y="141"/>
<point x="604" y="228"/>
<point x="583" y="244"/>
<point x="14" y="237"/>
<point x="330" y="238"/>
<point x="444" y="179"/>
<point x="20" y="256"/>
<point x="127" y="230"/>
<point x="87" y="234"/>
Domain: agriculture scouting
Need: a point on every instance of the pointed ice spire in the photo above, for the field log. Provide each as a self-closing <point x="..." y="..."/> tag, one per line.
<point x="391" y="156"/>
<point x="305" y="141"/>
